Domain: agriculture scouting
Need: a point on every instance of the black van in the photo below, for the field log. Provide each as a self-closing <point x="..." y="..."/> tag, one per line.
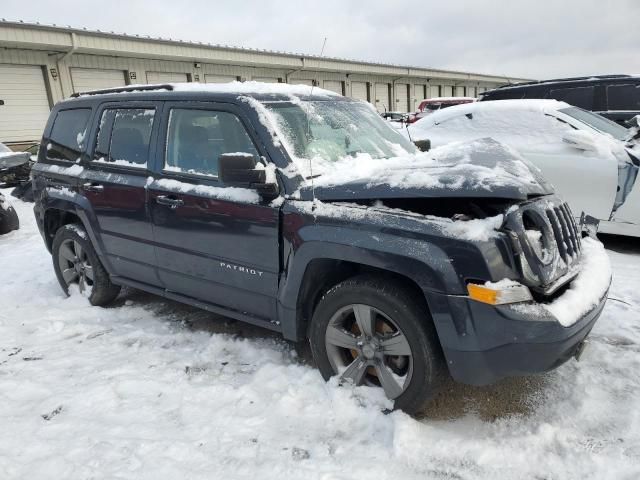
<point x="616" y="97"/>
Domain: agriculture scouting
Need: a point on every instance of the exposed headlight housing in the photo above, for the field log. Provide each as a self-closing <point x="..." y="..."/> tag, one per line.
<point x="499" y="293"/>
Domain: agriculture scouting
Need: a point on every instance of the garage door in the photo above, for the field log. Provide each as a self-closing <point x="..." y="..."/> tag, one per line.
<point x="301" y="81"/>
<point x="26" y="105"/>
<point x="402" y="97"/>
<point x="459" y="91"/>
<point x="166" y="77"/>
<point x="382" y="97"/>
<point x="447" y="91"/>
<point x="434" y="91"/>
<point x="359" y="90"/>
<point x="219" y="78"/>
<point x="471" y="91"/>
<point x="265" y="79"/>
<point x="333" y="85"/>
<point x="85" y="79"/>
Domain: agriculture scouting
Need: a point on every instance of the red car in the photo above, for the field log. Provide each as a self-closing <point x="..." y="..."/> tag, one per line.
<point x="432" y="104"/>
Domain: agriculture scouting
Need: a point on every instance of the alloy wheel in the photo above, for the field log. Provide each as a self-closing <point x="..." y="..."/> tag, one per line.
<point x="365" y="346"/>
<point x="75" y="265"/>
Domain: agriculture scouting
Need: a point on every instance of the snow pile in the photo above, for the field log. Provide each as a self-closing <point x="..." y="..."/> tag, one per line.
<point x="588" y="288"/>
<point x="448" y="167"/>
<point x="254" y="88"/>
<point x="527" y="125"/>
<point x="152" y="389"/>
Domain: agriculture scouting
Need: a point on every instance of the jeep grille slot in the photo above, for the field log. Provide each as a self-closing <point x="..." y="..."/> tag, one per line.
<point x="565" y="231"/>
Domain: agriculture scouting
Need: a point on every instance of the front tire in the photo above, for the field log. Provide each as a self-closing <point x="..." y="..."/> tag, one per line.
<point x="76" y="263"/>
<point x="370" y="331"/>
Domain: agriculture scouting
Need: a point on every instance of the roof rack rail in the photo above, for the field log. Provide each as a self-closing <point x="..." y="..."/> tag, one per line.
<point x="567" y="79"/>
<point x="129" y="88"/>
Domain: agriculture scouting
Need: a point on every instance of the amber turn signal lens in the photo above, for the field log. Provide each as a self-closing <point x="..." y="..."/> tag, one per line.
<point x="495" y="294"/>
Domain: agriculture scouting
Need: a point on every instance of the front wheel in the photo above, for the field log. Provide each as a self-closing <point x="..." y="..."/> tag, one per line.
<point x="76" y="263"/>
<point x="370" y="331"/>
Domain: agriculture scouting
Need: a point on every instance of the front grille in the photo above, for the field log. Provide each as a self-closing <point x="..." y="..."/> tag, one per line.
<point x="565" y="231"/>
<point x="550" y="257"/>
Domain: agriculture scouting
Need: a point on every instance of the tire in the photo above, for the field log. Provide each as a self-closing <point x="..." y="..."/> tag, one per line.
<point x="8" y="217"/>
<point x="397" y="323"/>
<point x="72" y="249"/>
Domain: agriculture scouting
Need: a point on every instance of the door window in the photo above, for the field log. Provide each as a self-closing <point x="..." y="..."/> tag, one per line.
<point x="623" y="97"/>
<point x="197" y="138"/>
<point x="124" y="135"/>
<point x="578" y="96"/>
<point x="67" y="139"/>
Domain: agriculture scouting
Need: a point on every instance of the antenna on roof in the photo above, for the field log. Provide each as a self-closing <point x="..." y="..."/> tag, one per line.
<point x="313" y="190"/>
<point x="313" y="84"/>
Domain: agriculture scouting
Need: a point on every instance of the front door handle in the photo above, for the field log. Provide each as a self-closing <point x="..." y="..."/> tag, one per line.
<point x="93" y="187"/>
<point x="169" y="201"/>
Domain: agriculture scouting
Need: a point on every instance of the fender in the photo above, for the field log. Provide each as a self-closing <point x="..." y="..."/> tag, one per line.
<point x="68" y="200"/>
<point x="424" y="262"/>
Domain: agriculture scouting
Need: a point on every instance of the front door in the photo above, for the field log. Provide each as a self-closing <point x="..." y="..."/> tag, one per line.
<point x="214" y="243"/>
<point x="114" y="183"/>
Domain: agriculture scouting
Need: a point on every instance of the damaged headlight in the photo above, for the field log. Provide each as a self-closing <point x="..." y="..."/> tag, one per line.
<point x="499" y="293"/>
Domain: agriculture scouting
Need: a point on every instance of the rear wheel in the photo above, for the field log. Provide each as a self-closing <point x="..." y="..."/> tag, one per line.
<point x="370" y="331"/>
<point x="76" y="263"/>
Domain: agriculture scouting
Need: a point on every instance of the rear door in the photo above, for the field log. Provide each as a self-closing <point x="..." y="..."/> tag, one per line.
<point x="214" y="243"/>
<point x="114" y="183"/>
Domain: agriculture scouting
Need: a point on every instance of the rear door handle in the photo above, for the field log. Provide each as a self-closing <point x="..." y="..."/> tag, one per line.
<point x="93" y="187"/>
<point x="170" y="201"/>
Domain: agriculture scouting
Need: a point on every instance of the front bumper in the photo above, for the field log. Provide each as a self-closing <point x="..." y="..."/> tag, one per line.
<point x="483" y="343"/>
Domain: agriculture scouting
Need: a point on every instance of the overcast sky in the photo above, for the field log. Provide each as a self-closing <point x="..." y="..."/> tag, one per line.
<point x="515" y="38"/>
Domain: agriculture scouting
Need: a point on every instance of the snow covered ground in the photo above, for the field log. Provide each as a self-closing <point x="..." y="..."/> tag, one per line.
<point x="150" y="389"/>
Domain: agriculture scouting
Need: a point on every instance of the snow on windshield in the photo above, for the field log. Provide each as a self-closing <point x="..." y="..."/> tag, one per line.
<point x="319" y="135"/>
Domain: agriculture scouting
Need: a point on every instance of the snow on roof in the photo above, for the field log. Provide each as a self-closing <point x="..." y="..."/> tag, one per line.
<point x="256" y="88"/>
<point x="449" y="99"/>
<point x="235" y="87"/>
<point x="493" y="106"/>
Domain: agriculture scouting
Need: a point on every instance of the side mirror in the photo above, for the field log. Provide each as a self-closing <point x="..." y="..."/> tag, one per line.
<point x="423" y="145"/>
<point x="1" y="102"/>
<point x="239" y="170"/>
<point x="581" y="140"/>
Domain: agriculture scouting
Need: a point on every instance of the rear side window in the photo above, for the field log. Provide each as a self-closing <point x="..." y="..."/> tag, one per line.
<point x="68" y="135"/>
<point x="197" y="138"/>
<point x="623" y="97"/>
<point x="124" y="135"/>
<point x="577" y="96"/>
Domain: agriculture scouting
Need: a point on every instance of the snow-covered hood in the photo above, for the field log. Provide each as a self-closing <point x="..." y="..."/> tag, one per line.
<point x="13" y="159"/>
<point x="481" y="168"/>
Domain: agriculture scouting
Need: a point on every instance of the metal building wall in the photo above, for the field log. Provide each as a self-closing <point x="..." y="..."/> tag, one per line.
<point x="61" y="51"/>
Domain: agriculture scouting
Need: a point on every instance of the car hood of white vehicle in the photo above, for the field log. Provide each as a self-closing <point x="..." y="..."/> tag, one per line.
<point x="481" y="168"/>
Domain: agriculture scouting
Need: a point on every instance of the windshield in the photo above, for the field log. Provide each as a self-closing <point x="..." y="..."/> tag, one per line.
<point x="597" y="122"/>
<point x="327" y="131"/>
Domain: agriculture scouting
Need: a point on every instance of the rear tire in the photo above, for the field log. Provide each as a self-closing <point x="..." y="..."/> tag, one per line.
<point x="75" y="262"/>
<point x="371" y="331"/>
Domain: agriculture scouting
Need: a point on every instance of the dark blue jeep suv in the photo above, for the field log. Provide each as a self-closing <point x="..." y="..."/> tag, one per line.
<point x="306" y="213"/>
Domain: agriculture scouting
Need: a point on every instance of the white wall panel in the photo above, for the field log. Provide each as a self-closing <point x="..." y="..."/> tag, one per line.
<point x="359" y="90"/>
<point x="26" y="104"/>
<point x="382" y="97"/>
<point x="166" y="77"/>
<point x="333" y="85"/>
<point x="85" y="79"/>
